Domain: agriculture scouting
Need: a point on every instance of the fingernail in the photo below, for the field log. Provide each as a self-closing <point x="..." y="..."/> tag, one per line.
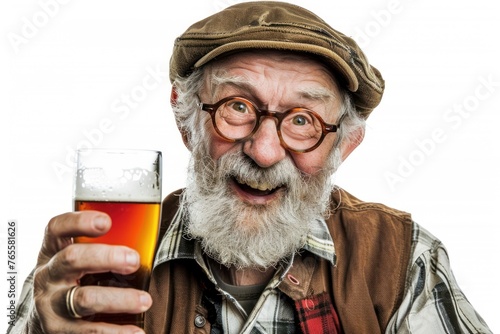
<point x="144" y="299"/>
<point x="100" y="223"/>
<point x="132" y="258"/>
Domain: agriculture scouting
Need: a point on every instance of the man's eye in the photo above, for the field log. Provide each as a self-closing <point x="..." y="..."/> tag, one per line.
<point x="299" y="120"/>
<point x="239" y="107"/>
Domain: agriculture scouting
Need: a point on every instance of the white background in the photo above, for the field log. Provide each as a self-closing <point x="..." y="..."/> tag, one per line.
<point x="67" y="68"/>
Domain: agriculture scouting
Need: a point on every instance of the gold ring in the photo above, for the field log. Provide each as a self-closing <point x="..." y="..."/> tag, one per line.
<point x="70" y="306"/>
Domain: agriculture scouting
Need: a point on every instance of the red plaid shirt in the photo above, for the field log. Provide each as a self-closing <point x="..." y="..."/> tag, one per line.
<point x="317" y="315"/>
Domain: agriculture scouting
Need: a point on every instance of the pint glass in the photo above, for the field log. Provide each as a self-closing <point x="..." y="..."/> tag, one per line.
<point x="125" y="184"/>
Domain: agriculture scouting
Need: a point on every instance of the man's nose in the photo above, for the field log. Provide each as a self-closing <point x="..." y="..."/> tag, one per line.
<point x="264" y="147"/>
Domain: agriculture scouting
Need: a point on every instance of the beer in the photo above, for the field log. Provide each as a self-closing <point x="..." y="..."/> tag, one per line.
<point x="125" y="184"/>
<point x="134" y="224"/>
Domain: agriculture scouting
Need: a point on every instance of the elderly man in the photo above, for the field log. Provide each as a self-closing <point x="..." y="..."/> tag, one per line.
<point x="270" y="100"/>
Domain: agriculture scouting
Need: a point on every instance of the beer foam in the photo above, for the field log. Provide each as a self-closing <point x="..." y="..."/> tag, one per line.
<point x="117" y="184"/>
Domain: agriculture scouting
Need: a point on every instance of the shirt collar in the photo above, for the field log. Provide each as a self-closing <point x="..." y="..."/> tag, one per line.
<point x="175" y="245"/>
<point x="319" y="241"/>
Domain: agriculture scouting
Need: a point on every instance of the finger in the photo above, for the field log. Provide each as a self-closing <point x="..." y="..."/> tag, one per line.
<point x="82" y="223"/>
<point x="82" y="326"/>
<point x="61" y="229"/>
<point x="89" y="300"/>
<point x="56" y="317"/>
<point x="77" y="260"/>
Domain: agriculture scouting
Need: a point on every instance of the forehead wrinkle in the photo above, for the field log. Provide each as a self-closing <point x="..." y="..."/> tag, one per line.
<point x="236" y="81"/>
<point x="220" y="80"/>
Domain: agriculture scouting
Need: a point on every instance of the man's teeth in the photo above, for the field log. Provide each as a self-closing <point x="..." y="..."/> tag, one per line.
<point x="256" y="185"/>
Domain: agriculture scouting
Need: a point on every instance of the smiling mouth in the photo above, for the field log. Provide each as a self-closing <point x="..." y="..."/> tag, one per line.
<point x="257" y="188"/>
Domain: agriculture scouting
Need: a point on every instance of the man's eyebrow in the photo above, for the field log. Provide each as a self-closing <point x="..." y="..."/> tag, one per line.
<point x="318" y="94"/>
<point x="235" y="81"/>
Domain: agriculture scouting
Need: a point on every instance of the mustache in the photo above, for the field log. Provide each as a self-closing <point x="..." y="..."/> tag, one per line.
<point x="242" y="168"/>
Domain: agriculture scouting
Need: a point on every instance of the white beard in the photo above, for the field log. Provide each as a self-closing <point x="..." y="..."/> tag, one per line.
<point x="238" y="234"/>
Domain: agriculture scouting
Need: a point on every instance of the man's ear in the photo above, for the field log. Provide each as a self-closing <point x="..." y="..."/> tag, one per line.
<point x="347" y="146"/>
<point x="184" y="134"/>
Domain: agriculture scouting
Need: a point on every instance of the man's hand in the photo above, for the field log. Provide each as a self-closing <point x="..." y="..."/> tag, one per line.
<point x="61" y="263"/>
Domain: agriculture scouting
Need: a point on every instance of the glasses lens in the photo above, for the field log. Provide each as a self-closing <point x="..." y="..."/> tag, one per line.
<point x="301" y="129"/>
<point x="235" y="118"/>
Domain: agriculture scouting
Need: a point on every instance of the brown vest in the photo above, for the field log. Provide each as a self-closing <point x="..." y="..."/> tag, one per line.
<point x="372" y="243"/>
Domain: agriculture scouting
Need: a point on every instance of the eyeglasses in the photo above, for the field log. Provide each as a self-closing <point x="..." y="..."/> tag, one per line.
<point x="299" y="129"/>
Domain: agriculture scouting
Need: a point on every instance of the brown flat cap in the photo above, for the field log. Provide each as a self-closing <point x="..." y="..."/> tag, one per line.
<point x="278" y="26"/>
